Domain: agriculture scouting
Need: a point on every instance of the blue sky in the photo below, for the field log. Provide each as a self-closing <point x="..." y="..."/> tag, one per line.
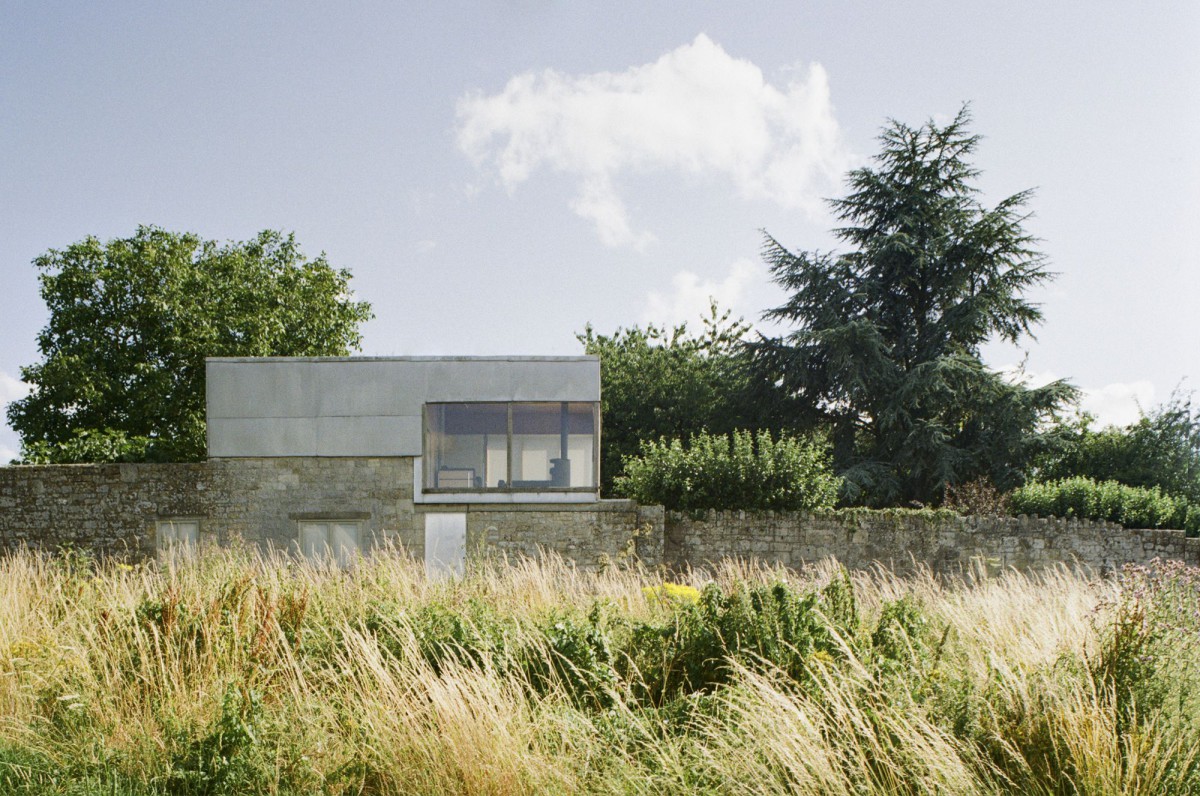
<point x="497" y="175"/>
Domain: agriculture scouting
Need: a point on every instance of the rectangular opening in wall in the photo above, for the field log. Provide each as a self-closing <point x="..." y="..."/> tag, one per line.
<point x="514" y="446"/>
<point x="177" y="536"/>
<point x="445" y="543"/>
<point x="330" y="540"/>
<point x="466" y="444"/>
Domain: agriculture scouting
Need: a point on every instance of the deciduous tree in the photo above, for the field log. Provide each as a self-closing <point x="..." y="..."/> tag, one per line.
<point x="659" y="382"/>
<point x="132" y="320"/>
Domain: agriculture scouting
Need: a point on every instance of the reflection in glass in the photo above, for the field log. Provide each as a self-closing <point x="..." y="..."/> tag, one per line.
<point x="548" y="445"/>
<point x="552" y="445"/>
<point x="466" y="444"/>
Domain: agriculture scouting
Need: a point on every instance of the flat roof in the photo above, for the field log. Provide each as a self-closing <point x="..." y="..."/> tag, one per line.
<point x="429" y="358"/>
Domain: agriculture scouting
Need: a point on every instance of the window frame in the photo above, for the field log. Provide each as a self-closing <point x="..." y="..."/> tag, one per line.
<point x="330" y="521"/>
<point x="176" y="547"/>
<point x="427" y="458"/>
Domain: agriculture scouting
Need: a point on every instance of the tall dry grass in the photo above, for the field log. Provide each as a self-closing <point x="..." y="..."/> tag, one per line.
<point x="239" y="673"/>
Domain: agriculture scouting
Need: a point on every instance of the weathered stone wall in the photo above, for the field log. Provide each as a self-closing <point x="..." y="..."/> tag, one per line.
<point x="112" y="509"/>
<point x="593" y="535"/>
<point x="943" y="541"/>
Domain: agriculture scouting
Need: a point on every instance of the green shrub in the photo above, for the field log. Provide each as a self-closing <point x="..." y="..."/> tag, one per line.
<point x="575" y="656"/>
<point x="739" y="471"/>
<point x="1133" y="507"/>
<point x="774" y="624"/>
<point x="226" y="756"/>
<point x="467" y="635"/>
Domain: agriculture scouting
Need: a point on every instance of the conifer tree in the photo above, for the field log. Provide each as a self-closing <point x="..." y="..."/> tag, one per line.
<point x="887" y="335"/>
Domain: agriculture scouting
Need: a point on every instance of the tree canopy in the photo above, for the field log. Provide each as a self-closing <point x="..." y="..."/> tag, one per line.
<point x="886" y="342"/>
<point x="132" y="320"/>
<point x="661" y="382"/>
<point x="1161" y="450"/>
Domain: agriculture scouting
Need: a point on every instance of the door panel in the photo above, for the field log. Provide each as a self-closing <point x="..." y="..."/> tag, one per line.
<point x="445" y="543"/>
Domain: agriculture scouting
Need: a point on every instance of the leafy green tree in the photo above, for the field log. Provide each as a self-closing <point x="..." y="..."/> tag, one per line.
<point x="887" y="337"/>
<point x="1161" y="450"/>
<point x="666" y="382"/>
<point x="131" y="321"/>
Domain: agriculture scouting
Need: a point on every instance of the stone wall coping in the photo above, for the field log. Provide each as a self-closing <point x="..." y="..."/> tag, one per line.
<point x="926" y="516"/>
<point x="602" y="505"/>
<point x="15" y="469"/>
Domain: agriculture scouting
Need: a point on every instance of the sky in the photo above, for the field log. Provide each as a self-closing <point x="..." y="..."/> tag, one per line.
<point x="497" y="176"/>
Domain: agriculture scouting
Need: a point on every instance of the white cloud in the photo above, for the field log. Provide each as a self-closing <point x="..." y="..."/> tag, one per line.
<point x="696" y="110"/>
<point x="11" y="389"/>
<point x="1118" y="404"/>
<point x="1115" y="404"/>
<point x="689" y="296"/>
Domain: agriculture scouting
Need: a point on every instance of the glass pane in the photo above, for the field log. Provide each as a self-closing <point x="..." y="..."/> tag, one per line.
<point x="345" y="542"/>
<point x="314" y="539"/>
<point x="187" y="532"/>
<point x="466" y="446"/>
<point x="178" y="534"/>
<point x="553" y="445"/>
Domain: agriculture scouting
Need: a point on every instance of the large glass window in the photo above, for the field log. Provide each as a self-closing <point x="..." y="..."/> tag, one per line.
<point x="511" y="446"/>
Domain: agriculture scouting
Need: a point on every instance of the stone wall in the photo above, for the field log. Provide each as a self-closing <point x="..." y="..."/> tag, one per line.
<point x="945" y="542"/>
<point x="113" y="509"/>
<point x="593" y="535"/>
<point x="110" y="509"/>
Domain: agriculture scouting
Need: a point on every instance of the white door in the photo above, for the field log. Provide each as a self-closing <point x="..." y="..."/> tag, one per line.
<point x="445" y="543"/>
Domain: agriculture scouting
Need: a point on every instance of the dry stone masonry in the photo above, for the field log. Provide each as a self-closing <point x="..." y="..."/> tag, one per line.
<point x="941" y="540"/>
<point x="114" y="510"/>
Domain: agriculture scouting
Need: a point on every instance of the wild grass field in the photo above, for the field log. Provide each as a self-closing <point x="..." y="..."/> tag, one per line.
<point x="241" y="674"/>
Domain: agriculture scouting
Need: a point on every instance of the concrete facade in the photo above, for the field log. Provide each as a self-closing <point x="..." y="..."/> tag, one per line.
<point x="367" y="406"/>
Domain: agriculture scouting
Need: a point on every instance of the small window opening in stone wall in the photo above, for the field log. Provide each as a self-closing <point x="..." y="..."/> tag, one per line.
<point x="336" y="540"/>
<point x="177" y="536"/>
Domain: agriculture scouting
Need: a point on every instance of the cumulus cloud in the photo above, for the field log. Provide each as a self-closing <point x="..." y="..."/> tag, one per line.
<point x="690" y="295"/>
<point x="1116" y="404"/>
<point x="11" y="389"/>
<point x="696" y="110"/>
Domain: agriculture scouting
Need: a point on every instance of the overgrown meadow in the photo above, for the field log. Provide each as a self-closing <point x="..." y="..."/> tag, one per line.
<point x="239" y="674"/>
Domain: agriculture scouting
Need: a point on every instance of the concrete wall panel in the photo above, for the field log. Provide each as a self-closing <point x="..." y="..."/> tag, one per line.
<point x="368" y="406"/>
<point x="368" y="436"/>
<point x="261" y="389"/>
<point x="262" y="436"/>
<point x="369" y="389"/>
